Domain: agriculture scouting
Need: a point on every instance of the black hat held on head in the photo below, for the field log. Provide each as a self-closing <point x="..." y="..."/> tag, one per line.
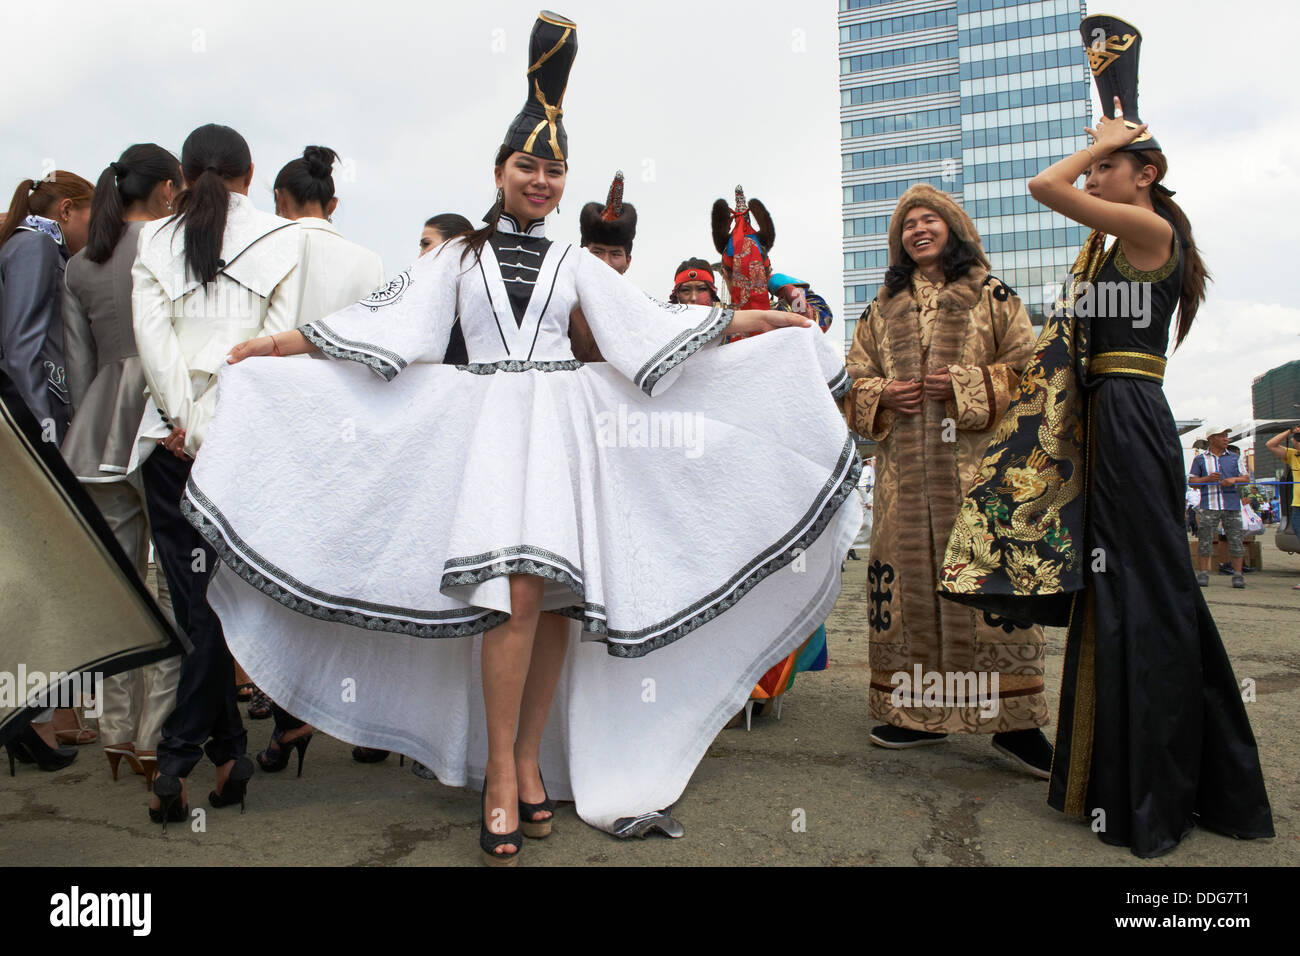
<point x="611" y="224"/>
<point x="1113" y="46"/>
<point x="538" y="129"/>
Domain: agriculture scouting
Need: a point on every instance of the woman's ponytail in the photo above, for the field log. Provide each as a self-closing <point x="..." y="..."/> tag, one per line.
<point x="131" y="179"/>
<point x="211" y="155"/>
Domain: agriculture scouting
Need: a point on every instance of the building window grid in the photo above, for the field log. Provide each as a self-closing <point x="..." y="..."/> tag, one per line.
<point x="1018" y="30"/>
<point x="997" y="8"/>
<point x="905" y="56"/>
<point x="866" y="259"/>
<point x="900" y="89"/>
<point x="863" y="4"/>
<point x="875" y="192"/>
<point x="1024" y="96"/>
<point x="891" y="26"/>
<point x="1011" y="116"/>
<point x="866" y="226"/>
<point x="1038" y="56"/>
<point x="1019" y="133"/>
<point x="1019" y="63"/>
<point x="899" y="155"/>
<point x="901" y="122"/>
<point x="1065" y="42"/>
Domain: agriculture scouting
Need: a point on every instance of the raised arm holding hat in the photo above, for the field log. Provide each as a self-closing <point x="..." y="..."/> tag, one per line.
<point x="1152" y="736"/>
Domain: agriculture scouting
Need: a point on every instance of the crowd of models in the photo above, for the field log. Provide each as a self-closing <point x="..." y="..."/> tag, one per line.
<point x="498" y="579"/>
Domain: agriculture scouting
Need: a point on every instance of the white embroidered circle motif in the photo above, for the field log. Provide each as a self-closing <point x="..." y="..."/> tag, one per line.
<point x="389" y="293"/>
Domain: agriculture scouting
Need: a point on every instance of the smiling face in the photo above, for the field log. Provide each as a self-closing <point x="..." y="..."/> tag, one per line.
<point x="532" y="186"/>
<point x="1118" y="177"/>
<point x="925" y="233"/>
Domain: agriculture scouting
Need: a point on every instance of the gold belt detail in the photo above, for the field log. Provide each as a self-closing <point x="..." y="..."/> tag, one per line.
<point x="1139" y="364"/>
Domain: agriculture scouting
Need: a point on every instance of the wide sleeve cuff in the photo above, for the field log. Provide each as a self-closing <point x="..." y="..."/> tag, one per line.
<point x="972" y="389"/>
<point x="408" y="320"/>
<point x="646" y="340"/>
<point x="863" y="411"/>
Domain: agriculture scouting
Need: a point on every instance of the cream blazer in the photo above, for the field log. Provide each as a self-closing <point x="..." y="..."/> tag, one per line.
<point x="333" y="272"/>
<point x="184" y="329"/>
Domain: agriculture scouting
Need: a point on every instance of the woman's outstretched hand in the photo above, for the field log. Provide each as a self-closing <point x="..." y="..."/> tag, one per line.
<point x="749" y="321"/>
<point x="1112" y="134"/>
<point x="292" y="342"/>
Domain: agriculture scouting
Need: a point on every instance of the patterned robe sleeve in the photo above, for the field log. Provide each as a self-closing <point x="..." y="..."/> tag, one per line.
<point x="643" y="338"/>
<point x="408" y="320"/>
<point x="865" y="366"/>
<point x="983" y="392"/>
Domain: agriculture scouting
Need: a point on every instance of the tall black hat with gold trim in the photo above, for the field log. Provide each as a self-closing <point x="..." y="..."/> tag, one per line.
<point x="539" y="129"/>
<point x="612" y="223"/>
<point x="1113" y="46"/>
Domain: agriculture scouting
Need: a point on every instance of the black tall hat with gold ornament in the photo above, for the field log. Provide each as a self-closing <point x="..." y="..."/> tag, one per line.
<point x="1113" y="46"/>
<point x="539" y="129"/>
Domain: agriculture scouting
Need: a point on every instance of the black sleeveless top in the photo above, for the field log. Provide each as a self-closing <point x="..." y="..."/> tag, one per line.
<point x="1132" y="309"/>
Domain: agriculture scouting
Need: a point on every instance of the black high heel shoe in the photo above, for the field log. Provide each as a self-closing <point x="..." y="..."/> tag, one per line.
<point x="276" y="756"/>
<point x="489" y="841"/>
<point x="168" y="791"/>
<point x="28" y="747"/>
<point x="537" y="829"/>
<point x="235" y="787"/>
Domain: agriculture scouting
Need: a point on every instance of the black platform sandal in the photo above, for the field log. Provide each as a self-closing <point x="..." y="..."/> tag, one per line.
<point x="537" y="829"/>
<point x="489" y="841"/>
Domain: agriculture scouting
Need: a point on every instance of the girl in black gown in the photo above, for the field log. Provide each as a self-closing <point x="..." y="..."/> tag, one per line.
<point x="1152" y="735"/>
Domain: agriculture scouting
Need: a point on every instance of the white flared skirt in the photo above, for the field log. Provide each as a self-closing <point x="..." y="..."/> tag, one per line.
<point x="368" y="530"/>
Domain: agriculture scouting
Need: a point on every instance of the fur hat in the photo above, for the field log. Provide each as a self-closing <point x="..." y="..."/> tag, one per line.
<point x="959" y="224"/>
<point x="611" y="224"/>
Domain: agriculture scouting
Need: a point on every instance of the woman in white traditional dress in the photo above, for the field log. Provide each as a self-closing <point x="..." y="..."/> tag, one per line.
<point x="515" y="495"/>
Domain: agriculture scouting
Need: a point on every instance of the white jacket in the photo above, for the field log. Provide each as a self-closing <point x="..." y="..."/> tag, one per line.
<point x="333" y="272"/>
<point x="185" y="329"/>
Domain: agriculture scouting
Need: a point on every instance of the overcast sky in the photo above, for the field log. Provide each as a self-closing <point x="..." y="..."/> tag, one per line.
<point x="687" y="98"/>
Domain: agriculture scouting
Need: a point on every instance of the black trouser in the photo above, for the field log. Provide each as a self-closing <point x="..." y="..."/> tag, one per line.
<point x="206" y="709"/>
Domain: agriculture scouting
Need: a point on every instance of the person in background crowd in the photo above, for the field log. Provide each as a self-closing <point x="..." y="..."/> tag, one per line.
<point x="608" y="229"/>
<point x="106" y="386"/>
<point x="1286" y="445"/>
<point x="1217" y="475"/>
<point x="694" y="284"/>
<point x="47" y="222"/>
<point x="333" y="273"/>
<point x="438" y="229"/>
<point x="203" y="281"/>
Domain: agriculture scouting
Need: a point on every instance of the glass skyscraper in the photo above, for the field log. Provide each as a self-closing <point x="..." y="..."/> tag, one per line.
<point x="974" y="97"/>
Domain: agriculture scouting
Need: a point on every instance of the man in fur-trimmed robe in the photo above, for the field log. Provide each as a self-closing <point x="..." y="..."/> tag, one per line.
<point x="936" y="359"/>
